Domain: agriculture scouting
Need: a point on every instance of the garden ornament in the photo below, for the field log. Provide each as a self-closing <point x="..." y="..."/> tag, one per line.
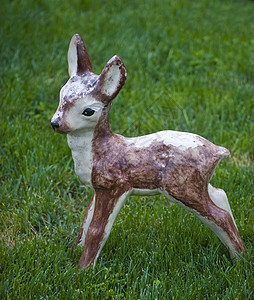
<point x="178" y="165"/>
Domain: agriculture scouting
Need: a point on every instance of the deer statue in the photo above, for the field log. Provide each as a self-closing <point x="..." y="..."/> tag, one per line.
<point x="178" y="165"/>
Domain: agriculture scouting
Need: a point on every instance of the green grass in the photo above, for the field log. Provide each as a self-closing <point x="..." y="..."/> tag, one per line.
<point x="190" y="68"/>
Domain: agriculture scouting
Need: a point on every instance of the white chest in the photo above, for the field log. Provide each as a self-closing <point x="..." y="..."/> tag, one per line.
<point x="81" y="147"/>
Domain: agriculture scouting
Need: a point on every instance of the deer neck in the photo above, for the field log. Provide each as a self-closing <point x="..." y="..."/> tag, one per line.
<point x="102" y="129"/>
<point x="80" y="144"/>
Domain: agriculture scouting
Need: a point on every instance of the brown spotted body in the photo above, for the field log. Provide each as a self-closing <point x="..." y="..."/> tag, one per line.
<point x="154" y="167"/>
<point x="178" y="165"/>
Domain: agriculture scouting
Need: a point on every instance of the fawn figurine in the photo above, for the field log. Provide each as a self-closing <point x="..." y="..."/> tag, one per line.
<point x="178" y="165"/>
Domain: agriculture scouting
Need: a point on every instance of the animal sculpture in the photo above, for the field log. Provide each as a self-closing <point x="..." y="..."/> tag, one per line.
<point x="178" y="165"/>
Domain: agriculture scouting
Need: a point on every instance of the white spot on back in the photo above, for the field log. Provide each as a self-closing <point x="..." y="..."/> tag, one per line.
<point x="180" y="140"/>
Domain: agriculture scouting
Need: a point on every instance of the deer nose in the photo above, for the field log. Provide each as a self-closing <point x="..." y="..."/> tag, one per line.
<point x="54" y="124"/>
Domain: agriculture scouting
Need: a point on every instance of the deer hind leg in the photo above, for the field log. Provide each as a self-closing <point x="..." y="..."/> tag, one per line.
<point x="106" y="208"/>
<point x="222" y="224"/>
<point x="217" y="219"/>
<point x="220" y="199"/>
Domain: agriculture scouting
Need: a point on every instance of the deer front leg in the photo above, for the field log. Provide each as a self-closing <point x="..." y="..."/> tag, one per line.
<point x="107" y="205"/>
<point x="85" y="224"/>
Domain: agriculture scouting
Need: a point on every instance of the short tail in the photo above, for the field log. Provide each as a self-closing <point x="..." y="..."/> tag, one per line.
<point x="223" y="152"/>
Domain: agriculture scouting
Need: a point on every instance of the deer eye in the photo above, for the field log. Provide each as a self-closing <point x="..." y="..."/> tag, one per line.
<point x="88" y="112"/>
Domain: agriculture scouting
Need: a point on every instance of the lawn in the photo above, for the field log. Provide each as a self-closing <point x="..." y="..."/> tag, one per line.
<point x="190" y="68"/>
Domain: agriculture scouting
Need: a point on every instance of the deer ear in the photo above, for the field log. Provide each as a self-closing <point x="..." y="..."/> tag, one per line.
<point x="78" y="59"/>
<point x="111" y="79"/>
